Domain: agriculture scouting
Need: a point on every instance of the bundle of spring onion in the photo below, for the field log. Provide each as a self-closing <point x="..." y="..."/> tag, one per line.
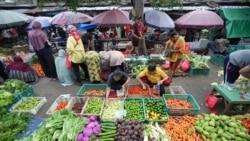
<point x="153" y="132"/>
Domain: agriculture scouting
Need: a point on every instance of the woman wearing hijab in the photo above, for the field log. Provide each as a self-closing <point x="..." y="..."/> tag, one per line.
<point x="76" y="53"/>
<point x="65" y="75"/>
<point x="22" y="71"/>
<point x="93" y="61"/>
<point x="115" y="58"/>
<point x="39" y="41"/>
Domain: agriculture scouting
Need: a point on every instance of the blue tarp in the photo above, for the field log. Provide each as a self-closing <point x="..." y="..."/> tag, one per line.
<point x="86" y="26"/>
<point x="33" y="125"/>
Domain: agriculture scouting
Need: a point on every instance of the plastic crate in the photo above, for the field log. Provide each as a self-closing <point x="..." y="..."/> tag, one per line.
<point x="156" y="61"/>
<point x="28" y="92"/>
<point x="164" y="108"/>
<point x="114" y="112"/>
<point x="198" y="71"/>
<point x="16" y="98"/>
<point x="217" y="59"/>
<point x="232" y="48"/>
<point x="34" y="111"/>
<point x="138" y="95"/>
<point x="142" y="107"/>
<point x="176" y="90"/>
<point x="89" y="87"/>
<point x="52" y="108"/>
<point x="73" y="100"/>
<point x="181" y="111"/>
<point x="86" y="105"/>
<point x="113" y="95"/>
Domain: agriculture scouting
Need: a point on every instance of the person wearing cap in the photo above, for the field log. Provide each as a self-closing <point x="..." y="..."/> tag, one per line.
<point x="136" y="34"/>
<point x="76" y="53"/>
<point x="41" y="45"/>
<point x="153" y="75"/>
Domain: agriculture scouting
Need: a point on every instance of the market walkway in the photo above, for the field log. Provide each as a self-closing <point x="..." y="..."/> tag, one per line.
<point x="198" y="86"/>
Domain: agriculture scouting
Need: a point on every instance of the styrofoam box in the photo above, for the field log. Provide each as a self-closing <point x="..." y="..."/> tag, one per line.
<point x="176" y="90"/>
<point x="56" y="102"/>
<point x="32" y="111"/>
<point x="74" y="100"/>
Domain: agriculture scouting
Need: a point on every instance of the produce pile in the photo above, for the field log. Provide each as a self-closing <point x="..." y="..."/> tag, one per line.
<point x="111" y="108"/>
<point x="137" y="90"/>
<point x="182" y="128"/>
<point x="198" y="62"/>
<point x="178" y="103"/>
<point x="134" y="109"/>
<point x="61" y="105"/>
<point x="108" y="131"/>
<point x="94" y="106"/>
<point x="129" y="130"/>
<point x="37" y="67"/>
<point x="77" y="107"/>
<point x="155" y="109"/>
<point x="12" y="124"/>
<point x="5" y="98"/>
<point x="28" y="104"/>
<point x="14" y="86"/>
<point x="61" y="125"/>
<point x="136" y="69"/>
<point x="221" y="127"/>
<point x="94" y="92"/>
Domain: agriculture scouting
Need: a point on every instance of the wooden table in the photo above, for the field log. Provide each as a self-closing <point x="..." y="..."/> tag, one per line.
<point x="232" y="98"/>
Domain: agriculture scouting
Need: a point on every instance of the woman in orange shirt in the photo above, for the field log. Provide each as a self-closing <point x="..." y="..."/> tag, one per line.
<point x="176" y="44"/>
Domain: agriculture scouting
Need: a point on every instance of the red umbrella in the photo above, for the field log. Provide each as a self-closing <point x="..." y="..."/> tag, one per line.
<point x="200" y="19"/>
<point x="69" y="17"/>
<point x="112" y="18"/>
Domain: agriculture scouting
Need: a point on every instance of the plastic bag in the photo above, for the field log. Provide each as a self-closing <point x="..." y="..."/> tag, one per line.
<point x="185" y="65"/>
<point x="120" y="114"/>
<point x="156" y="90"/>
<point x="119" y="93"/>
<point x="68" y="62"/>
<point x="211" y="101"/>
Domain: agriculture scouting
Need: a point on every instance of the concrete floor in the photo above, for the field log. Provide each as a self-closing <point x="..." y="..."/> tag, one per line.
<point x="198" y="86"/>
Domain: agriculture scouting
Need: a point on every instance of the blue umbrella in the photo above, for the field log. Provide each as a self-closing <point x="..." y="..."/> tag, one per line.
<point x="158" y="19"/>
<point x="45" y="22"/>
<point x="86" y="26"/>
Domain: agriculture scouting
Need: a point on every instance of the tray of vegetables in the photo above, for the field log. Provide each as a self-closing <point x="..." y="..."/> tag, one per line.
<point x="96" y="90"/>
<point x="134" y="108"/>
<point x="93" y="106"/>
<point x="29" y="105"/>
<point x="138" y="91"/>
<point x="155" y="110"/>
<point x="76" y="104"/>
<point x="59" y="104"/>
<point x="112" y="109"/>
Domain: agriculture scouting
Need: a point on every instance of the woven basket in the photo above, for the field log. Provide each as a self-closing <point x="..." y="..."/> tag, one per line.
<point x="24" y="48"/>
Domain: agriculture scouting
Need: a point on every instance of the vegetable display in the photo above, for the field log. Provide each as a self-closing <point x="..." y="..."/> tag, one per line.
<point x="199" y="62"/>
<point x="5" y="98"/>
<point x="221" y="127"/>
<point x="94" y="92"/>
<point x="129" y="130"/>
<point x="14" y="86"/>
<point x="12" y="124"/>
<point x="61" y="125"/>
<point x="37" y="67"/>
<point x="181" y="128"/>
<point x="111" y="109"/>
<point x="77" y="107"/>
<point x="136" y="69"/>
<point x="153" y="132"/>
<point x="94" y="106"/>
<point x="61" y="105"/>
<point x="178" y="103"/>
<point x="28" y="104"/>
<point x="91" y="130"/>
<point x="109" y="131"/>
<point x="134" y="109"/>
<point x="155" y="109"/>
<point x="137" y="90"/>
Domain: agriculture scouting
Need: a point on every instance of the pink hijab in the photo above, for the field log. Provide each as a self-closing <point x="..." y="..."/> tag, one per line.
<point x="37" y="37"/>
<point x="19" y="65"/>
<point x="71" y="29"/>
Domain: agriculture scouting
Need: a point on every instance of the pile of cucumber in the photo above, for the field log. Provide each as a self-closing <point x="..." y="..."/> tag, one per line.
<point x="109" y="131"/>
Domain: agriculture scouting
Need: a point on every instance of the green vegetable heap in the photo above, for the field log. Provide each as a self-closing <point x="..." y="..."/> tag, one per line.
<point x="199" y="62"/>
<point x="5" y="98"/>
<point x="14" y="85"/>
<point x="155" y="109"/>
<point x="111" y="108"/>
<point x="134" y="109"/>
<point x="28" y="104"/>
<point x="223" y="128"/>
<point x="94" y="106"/>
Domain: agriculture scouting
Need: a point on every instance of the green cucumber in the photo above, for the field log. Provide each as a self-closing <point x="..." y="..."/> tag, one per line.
<point x="107" y="121"/>
<point x="107" y="139"/>
<point x="108" y="124"/>
<point x="108" y="136"/>
<point x="107" y="130"/>
<point x="107" y="133"/>
<point x="109" y="127"/>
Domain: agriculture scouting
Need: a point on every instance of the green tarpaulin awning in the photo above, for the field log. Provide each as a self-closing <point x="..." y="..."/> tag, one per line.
<point x="237" y="21"/>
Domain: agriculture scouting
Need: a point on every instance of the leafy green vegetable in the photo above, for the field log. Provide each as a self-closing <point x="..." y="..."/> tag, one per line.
<point x="14" y="85"/>
<point x="5" y="98"/>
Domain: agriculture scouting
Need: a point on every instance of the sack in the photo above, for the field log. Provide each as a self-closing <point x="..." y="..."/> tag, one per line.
<point x="68" y="62"/>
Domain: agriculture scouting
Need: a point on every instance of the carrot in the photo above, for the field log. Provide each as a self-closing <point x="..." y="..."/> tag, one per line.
<point x="182" y="128"/>
<point x="177" y="103"/>
<point x="94" y="92"/>
<point x="61" y="106"/>
<point x="37" y="67"/>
